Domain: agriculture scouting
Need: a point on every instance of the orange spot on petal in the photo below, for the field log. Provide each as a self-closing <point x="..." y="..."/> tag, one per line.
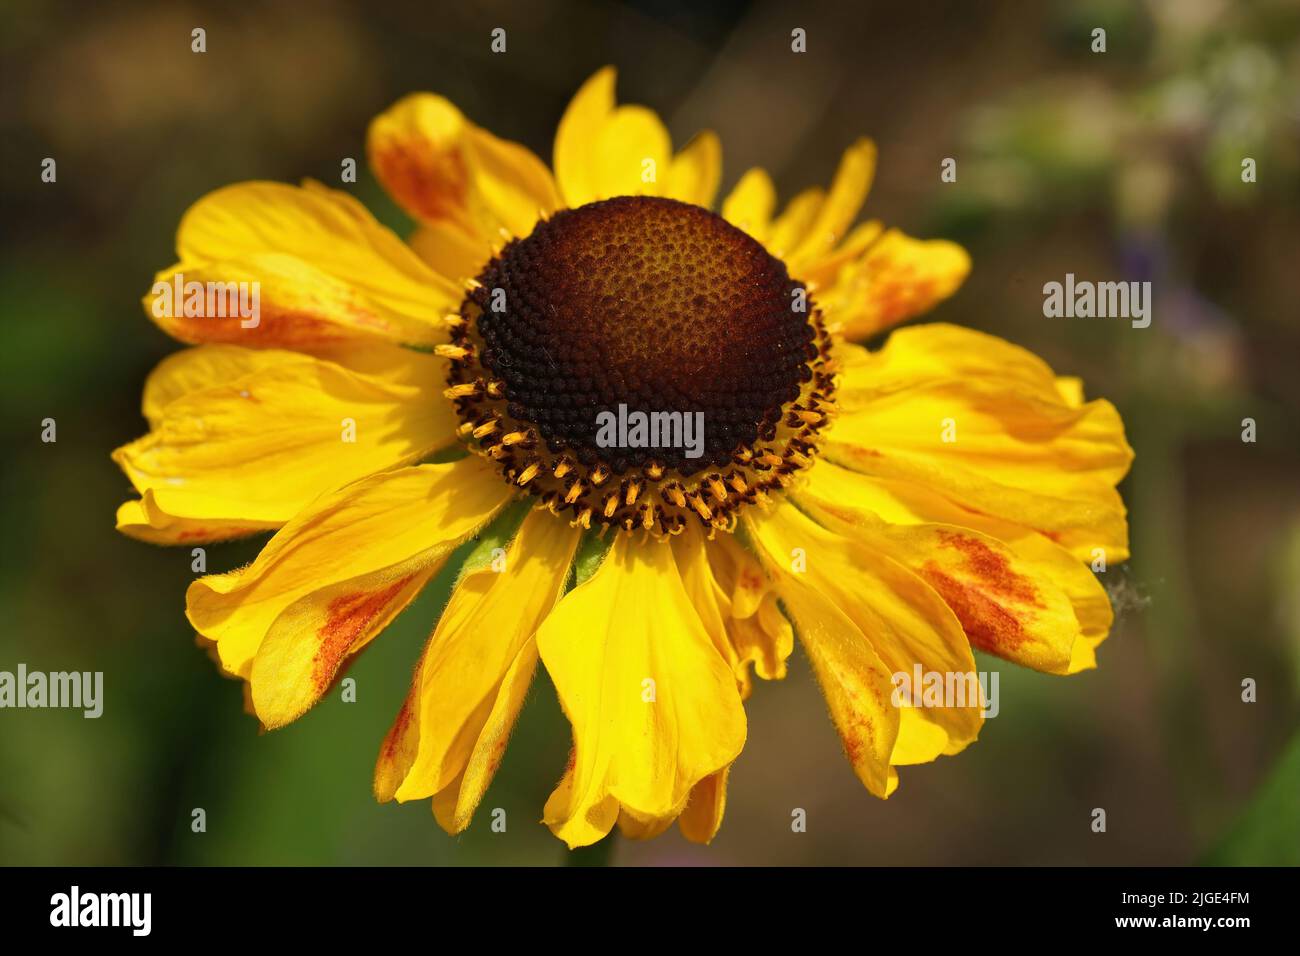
<point x="431" y="180"/>
<point x="397" y="731"/>
<point x="992" y="569"/>
<point x="988" y="625"/>
<point x="346" y="619"/>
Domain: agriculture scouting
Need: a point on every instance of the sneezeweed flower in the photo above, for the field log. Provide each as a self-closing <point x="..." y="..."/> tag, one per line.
<point x="894" y="508"/>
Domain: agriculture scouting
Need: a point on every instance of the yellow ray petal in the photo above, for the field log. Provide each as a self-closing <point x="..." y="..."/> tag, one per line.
<point x="1080" y="526"/>
<point x="194" y="369"/>
<point x="740" y="573"/>
<point x="654" y="707"/>
<point x="846" y="495"/>
<point x="398" y="520"/>
<point x="321" y="627"/>
<point x="902" y="619"/>
<point x="937" y="352"/>
<point x="855" y="682"/>
<point x="821" y="273"/>
<point x="142" y="519"/>
<point x="313" y="638"/>
<point x="410" y="368"/>
<point x="737" y="603"/>
<point x="473" y="675"/>
<point x="1005" y="605"/>
<point x="702" y="818"/>
<point x="1071" y="390"/>
<point x="791" y="226"/>
<point x="763" y="640"/>
<point x="758" y="631"/>
<point x="708" y="593"/>
<point x="513" y="186"/>
<point x="444" y="170"/>
<point x="750" y="203"/>
<point x="324" y="271"/>
<point x="709" y="600"/>
<point x="454" y="805"/>
<point x="696" y="171"/>
<point x="579" y="129"/>
<point x="450" y="251"/>
<point x="604" y="150"/>
<point x="990" y="434"/>
<point x="416" y="150"/>
<point x="252" y="449"/>
<point x="895" y="278"/>
<point x="631" y="154"/>
<point x="847" y="194"/>
<point x="635" y="827"/>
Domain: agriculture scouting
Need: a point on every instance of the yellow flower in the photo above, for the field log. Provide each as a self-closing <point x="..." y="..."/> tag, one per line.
<point x="390" y="402"/>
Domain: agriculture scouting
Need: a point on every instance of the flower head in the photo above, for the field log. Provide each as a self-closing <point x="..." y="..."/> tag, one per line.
<point x="389" y="402"/>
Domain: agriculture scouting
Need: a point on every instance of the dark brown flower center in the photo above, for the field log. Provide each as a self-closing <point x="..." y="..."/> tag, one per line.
<point x="646" y="353"/>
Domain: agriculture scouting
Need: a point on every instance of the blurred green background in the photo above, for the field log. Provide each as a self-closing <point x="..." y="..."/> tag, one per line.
<point x="1122" y="165"/>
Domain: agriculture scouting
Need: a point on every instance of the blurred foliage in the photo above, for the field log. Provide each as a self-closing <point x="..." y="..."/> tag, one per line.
<point x="1268" y="833"/>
